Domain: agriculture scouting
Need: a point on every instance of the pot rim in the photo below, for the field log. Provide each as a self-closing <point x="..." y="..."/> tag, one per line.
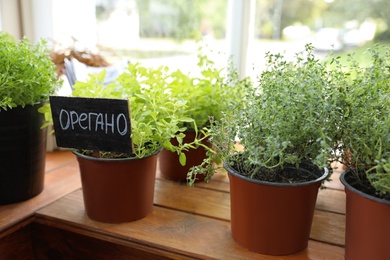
<point x="353" y="189"/>
<point x="87" y="157"/>
<point x="277" y="184"/>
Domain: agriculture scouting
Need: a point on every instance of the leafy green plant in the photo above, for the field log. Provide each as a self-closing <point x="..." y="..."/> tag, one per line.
<point x="155" y="118"/>
<point x="286" y="119"/>
<point x="209" y="93"/>
<point x="27" y="74"/>
<point x="365" y="128"/>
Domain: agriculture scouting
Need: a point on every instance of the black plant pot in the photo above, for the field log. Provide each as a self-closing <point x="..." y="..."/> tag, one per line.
<point x="22" y="154"/>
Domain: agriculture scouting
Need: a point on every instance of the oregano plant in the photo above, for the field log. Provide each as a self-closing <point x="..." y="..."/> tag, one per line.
<point x="209" y="93"/>
<point x="156" y="118"/>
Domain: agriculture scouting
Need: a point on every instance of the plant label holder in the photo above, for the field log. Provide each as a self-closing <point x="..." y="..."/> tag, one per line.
<point x="92" y="123"/>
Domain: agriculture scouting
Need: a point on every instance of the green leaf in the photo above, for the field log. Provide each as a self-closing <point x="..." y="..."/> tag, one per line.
<point x="187" y="119"/>
<point x="168" y="146"/>
<point x="182" y="159"/>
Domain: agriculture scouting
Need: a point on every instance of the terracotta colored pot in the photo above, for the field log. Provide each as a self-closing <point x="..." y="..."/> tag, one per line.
<point x="272" y="218"/>
<point x="367" y="229"/>
<point x="22" y="154"/>
<point x="170" y="167"/>
<point x="117" y="190"/>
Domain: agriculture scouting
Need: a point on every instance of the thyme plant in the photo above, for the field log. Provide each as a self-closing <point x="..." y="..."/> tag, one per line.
<point x="287" y="118"/>
<point x="366" y="124"/>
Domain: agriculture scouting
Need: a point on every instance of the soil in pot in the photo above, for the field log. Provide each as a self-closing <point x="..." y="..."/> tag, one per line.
<point x="170" y="167"/>
<point x="22" y="154"/>
<point x="117" y="190"/>
<point x="273" y="218"/>
<point x="367" y="230"/>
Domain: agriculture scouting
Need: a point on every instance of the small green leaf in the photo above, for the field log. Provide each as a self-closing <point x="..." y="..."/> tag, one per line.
<point x="188" y="120"/>
<point x="168" y="146"/>
<point x="182" y="159"/>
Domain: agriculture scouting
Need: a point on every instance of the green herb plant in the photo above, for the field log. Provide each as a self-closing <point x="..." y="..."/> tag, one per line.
<point x="27" y="74"/>
<point x="156" y="118"/>
<point x="209" y="93"/>
<point x="287" y="118"/>
<point x="208" y="96"/>
<point x="365" y="128"/>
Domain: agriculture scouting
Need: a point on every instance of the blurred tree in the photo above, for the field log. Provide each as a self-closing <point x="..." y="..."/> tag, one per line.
<point x="361" y="10"/>
<point x="293" y="12"/>
<point x="179" y="19"/>
<point x="340" y="11"/>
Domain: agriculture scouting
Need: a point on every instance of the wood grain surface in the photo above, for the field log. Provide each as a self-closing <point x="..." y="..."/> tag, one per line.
<point x="186" y="223"/>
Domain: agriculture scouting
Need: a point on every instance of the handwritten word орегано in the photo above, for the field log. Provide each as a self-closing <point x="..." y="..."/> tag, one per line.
<point x="69" y="120"/>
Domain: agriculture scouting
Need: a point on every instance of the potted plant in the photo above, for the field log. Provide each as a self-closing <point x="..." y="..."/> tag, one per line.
<point x="27" y="78"/>
<point x="365" y="135"/>
<point x="284" y="127"/>
<point x="119" y="187"/>
<point x="207" y="95"/>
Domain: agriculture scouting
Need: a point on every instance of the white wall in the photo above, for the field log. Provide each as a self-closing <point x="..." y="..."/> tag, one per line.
<point x="37" y="19"/>
<point x="54" y="20"/>
<point x="10" y="18"/>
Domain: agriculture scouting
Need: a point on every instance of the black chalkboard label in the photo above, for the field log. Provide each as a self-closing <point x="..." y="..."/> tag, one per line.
<point x="92" y="123"/>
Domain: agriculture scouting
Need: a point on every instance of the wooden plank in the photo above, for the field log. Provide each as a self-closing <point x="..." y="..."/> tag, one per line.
<point x="331" y="200"/>
<point x="216" y="204"/>
<point x="201" y="201"/>
<point x="171" y="230"/>
<point x="213" y="200"/>
<point x="17" y="245"/>
<point x="58" y="159"/>
<point x="20" y="225"/>
<point x="183" y="216"/>
<point x="219" y="182"/>
<point x="328" y="227"/>
<point x="59" y="181"/>
<point x="335" y="182"/>
<point x="52" y="242"/>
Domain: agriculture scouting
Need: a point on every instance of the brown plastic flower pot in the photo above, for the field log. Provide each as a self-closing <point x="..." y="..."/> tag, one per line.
<point x="117" y="190"/>
<point x="367" y="229"/>
<point x="272" y="218"/>
<point x="169" y="165"/>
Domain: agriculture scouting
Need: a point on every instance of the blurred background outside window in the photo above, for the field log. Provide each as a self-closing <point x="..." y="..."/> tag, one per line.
<point x="165" y="32"/>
